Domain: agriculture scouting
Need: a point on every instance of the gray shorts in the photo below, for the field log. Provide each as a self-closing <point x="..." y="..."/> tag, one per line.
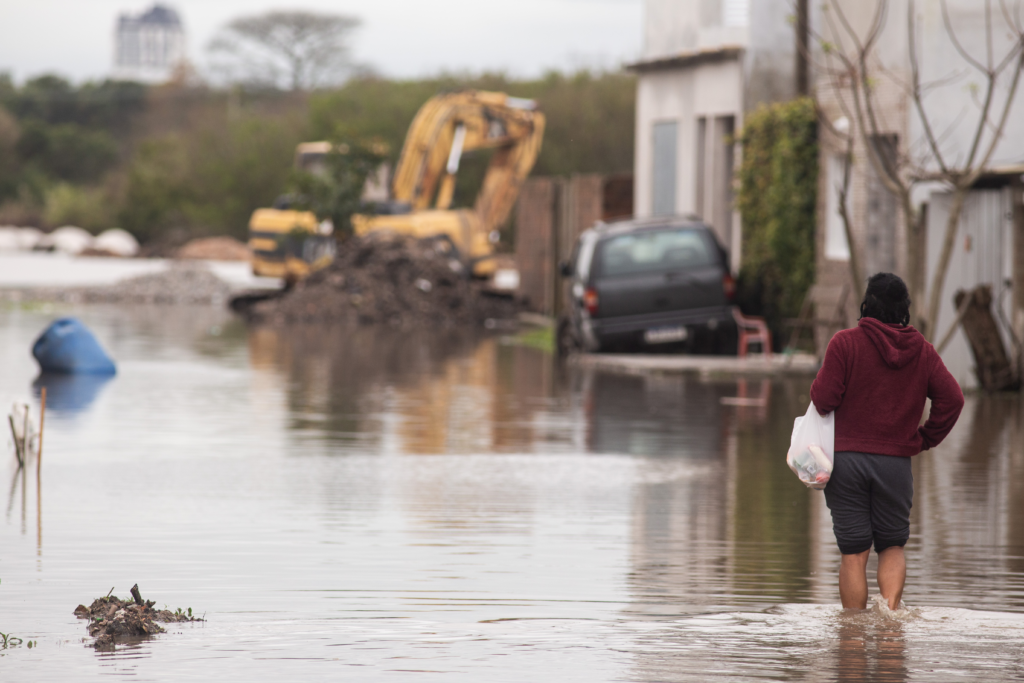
<point x="870" y="497"/>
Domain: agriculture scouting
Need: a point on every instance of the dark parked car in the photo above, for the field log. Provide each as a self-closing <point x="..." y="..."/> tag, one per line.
<point x="647" y="284"/>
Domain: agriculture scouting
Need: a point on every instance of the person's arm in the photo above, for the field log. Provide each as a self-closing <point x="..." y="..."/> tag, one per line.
<point x="829" y="386"/>
<point x="947" y="402"/>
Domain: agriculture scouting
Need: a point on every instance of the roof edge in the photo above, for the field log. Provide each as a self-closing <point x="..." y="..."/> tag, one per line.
<point x="687" y="59"/>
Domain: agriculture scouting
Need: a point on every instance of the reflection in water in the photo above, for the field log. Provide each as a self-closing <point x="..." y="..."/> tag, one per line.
<point x="870" y="648"/>
<point x="411" y="393"/>
<point x="69" y="393"/>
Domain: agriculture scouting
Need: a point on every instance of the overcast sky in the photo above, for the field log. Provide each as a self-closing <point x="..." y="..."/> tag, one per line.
<point x="403" y="38"/>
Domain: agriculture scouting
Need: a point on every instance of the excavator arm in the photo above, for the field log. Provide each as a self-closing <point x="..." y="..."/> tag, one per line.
<point x="449" y="125"/>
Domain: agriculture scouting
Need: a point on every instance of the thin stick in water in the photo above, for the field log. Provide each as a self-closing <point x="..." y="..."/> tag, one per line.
<point x="17" y="443"/>
<point x="42" y="418"/>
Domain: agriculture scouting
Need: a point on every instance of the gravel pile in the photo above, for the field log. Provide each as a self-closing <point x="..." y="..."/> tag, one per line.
<point x="184" y="283"/>
<point x="181" y="283"/>
<point x="393" y="280"/>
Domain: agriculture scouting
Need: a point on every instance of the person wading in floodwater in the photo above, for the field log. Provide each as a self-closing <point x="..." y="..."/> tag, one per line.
<point x="876" y="377"/>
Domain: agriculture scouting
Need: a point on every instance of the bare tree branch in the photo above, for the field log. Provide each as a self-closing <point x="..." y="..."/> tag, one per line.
<point x="915" y="92"/>
<point x="307" y="49"/>
<point x="1001" y="126"/>
<point x="956" y="42"/>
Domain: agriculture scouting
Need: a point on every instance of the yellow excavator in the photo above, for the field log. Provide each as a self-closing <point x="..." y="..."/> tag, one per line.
<point x="290" y="244"/>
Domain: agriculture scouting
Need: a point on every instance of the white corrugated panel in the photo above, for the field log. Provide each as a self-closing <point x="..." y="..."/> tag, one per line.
<point x="735" y="12"/>
<point x="982" y="254"/>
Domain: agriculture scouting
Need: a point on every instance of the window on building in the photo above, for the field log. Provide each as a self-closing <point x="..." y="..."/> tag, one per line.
<point x="836" y="246"/>
<point x="735" y="12"/>
<point x="700" y="186"/>
<point x="664" y="186"/>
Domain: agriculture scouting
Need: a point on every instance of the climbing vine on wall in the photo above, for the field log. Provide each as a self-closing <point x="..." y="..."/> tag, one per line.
<point x="778" y="181"/>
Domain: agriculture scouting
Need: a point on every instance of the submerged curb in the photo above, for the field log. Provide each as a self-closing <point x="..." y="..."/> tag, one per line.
<point x="799" y="364"/>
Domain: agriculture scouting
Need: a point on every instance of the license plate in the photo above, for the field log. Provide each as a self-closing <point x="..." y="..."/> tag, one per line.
<point x="665" y="335"/>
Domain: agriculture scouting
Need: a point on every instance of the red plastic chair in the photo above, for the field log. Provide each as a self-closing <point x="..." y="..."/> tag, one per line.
<point x="752" y="330"/>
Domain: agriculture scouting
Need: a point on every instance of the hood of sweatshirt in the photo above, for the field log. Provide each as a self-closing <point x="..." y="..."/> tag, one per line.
<point x="897" y="344"/>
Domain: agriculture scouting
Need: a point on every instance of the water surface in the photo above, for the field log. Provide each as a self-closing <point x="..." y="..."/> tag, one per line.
<point x="455" y="507"/>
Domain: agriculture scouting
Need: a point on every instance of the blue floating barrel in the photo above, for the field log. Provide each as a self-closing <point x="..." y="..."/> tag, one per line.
<point x="67" y="346"/>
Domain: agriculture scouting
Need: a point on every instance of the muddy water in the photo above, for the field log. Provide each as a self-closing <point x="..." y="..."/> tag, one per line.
<point x="443" y="508"/>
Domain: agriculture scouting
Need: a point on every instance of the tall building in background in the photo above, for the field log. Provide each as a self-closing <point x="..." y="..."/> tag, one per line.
<point x="148" y="46"/>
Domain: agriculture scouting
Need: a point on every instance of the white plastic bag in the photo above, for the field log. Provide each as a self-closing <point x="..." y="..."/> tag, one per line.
<point x="812" y="447"/>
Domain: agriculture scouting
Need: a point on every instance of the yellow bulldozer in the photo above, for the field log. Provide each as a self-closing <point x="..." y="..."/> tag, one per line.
<point x="290" y="244"/>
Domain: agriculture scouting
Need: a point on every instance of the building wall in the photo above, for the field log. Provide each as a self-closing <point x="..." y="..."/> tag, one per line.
<point x="770" y="59"/>
<point x="950" y="106"/>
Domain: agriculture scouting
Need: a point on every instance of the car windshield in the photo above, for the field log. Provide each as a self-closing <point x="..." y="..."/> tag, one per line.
<point x="654" y="251"/>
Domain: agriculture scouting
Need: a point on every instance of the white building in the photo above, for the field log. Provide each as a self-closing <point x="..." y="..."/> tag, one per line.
<point x="989" y="245"/>
<point x="148" y="46"/>
<point x="705" y="63"/>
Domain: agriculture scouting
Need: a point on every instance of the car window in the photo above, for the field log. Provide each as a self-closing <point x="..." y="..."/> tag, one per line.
<point x="654" y="251"/>
<point x="585" y="254"/>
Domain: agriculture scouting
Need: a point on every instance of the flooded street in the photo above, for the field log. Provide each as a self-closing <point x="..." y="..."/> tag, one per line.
<point x="379" y="506"/>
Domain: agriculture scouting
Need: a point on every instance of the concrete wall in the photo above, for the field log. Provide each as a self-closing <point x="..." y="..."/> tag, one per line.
<point x="769" y="62"/>
<point x="947" y="103"/>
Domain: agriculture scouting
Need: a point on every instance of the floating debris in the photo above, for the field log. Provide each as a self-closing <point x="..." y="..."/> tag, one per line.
<point x="113" y="620"/>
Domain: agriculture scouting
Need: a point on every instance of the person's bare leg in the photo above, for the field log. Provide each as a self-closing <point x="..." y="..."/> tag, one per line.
<point x="892" y="574"/>
<point x="853" y="580"/>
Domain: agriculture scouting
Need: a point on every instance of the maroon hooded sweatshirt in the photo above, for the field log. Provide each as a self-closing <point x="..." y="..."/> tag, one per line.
<point x="876" y="378"/>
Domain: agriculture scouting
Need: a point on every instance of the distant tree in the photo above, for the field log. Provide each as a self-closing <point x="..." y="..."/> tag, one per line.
<point x="301" y="49"/>
<point x="336" y="193"/>
<point x="67" y="151"/>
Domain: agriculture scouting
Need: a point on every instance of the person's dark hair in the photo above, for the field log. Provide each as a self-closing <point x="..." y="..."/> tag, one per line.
<point x="886" y="300"/>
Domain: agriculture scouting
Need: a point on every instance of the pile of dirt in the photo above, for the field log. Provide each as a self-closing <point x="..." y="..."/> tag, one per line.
<point x="112" y="619"/>
<point x="214" y="249"/>
<point x="393" y="280"/>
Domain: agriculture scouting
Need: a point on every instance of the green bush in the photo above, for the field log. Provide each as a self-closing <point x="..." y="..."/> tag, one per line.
<point x="209" y="179"/>
<point x="66" y="151"/>
<point x="88" y="208"/>
<point x="778" y="180"/>
<point x="336" y="193"/>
